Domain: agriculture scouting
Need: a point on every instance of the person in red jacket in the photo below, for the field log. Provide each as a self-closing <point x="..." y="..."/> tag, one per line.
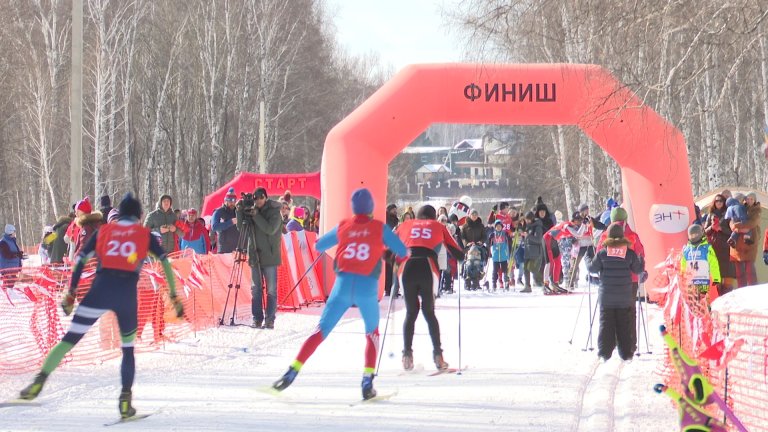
<point x="196" y="236"/>
<point x="424" y="236"/>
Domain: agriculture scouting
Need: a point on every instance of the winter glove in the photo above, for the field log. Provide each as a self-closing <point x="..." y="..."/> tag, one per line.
<point x="68" y="303"/>
<point x="177" y="306"/>
<point x="765" y="257"/>
<point x="643" y="277"/>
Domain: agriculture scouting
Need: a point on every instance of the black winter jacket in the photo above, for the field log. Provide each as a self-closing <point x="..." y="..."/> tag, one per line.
<point x="615" y="263"/>
<point x="473" y="232"/>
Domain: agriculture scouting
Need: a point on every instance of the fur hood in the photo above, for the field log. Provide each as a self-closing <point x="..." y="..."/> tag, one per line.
<point x="616" y="242"/>
<point x="93" y="218"/>
<point x="62" y="221"/>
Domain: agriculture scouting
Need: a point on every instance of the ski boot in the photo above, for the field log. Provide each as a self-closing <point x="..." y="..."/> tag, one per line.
<point x="527" y="289"/>
<point x="31" y="391"/>
<point x="368" y="391"/>
<point x="286" y="380"/>
<point x="440" y="364"/>
<point x="408" y="360"/>
<point x="124" y="405"/>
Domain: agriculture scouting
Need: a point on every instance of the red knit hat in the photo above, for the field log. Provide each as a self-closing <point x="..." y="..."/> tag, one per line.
<point x="191" y="211"/>
<point x="83" y="205"/>
<point x="230" y="196"/>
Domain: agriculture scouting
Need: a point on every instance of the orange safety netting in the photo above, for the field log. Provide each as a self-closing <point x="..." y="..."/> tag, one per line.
<point x="732" y="351"/>
<point x="31" y="320"/>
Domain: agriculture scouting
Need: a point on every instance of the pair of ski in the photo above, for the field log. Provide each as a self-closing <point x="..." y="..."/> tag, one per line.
<point x="697" y="393"/>
<point x="379" y="397"/>
<point x="32" y="403"/>
<point x="555" y="290"/>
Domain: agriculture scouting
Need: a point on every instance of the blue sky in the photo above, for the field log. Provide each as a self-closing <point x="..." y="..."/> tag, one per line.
<point x="401" y="32"/>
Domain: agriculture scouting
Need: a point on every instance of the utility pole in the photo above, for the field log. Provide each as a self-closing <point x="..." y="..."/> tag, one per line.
<point x="76" y="105"/>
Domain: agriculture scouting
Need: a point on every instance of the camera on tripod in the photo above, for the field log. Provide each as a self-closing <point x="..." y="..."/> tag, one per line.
<point x="247" y="203"/>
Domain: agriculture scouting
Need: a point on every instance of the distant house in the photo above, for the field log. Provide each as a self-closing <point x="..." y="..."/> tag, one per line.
<point x="432" y="173"/>
<point x="481" y="159"/>
<point x="483" y="163"/>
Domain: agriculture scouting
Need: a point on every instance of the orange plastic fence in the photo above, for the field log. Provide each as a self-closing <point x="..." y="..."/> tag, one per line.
<point x="31" y="320"/>
<point x="739" y="371"/>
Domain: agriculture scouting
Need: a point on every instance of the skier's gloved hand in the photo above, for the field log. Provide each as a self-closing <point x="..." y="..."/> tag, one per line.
<point x="643" y="277"/>
<point x="177" y="306"/>
<point x="765" y="257"/>
<point x="68" y="303"/>
<point x="715" y="286"/>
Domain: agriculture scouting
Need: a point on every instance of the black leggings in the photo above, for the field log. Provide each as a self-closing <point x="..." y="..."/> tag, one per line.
<point x="418" y="280"/>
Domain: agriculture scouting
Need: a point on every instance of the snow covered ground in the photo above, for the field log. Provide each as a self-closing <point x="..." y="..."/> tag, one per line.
<point x="523" y="375"/>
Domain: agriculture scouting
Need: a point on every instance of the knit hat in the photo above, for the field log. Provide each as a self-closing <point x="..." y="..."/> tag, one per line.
<point x="611" y="203"/>
<point x="615" y="231"/>
<point x="731" y="202"/>
<point x="362" y="202"/>
<point x="84" y="205"/>
<point x="114" y="215"/>
<point x="583" y="207"/>
<point x="618" y="214"/>
<point x="105" y="201"/>
<point x="498" y="222"/>
<point x="427" y="212"/>
<point x="298" y="213"/>
<point x="530" y="216"/>
<point x="474" y="211"/>
<point x="10" y="229"/>
<point x="129" y="207"/>
<point x="191" y="211"/>
<point x="231" y="195"/>
<point x="260" y="193"/>
<point x="752" y="195"/>
<point x="695" y="233"/>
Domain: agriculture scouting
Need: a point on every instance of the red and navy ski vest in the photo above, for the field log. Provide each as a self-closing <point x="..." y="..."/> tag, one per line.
<point x="361" y="245"/>
<point x="122" y="247"/>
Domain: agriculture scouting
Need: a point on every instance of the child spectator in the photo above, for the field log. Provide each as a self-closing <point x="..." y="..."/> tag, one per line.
<point x="699" y="256"/>
<point x="296" y="223"/>
<point x="500" y="243"/>
<point x="615" y="263"/>
<point x="196" y="236"/>
<point x="737" y="213"/>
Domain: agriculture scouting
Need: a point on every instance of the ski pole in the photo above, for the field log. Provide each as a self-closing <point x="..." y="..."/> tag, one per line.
<point x="575" y="324"/>
<point x="392" y="295"/>
<point x="302" y="278"/>
<point x="458" y="372"/>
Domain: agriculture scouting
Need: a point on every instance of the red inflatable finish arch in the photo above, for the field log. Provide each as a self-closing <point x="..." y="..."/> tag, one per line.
<point x="650" y="151"/>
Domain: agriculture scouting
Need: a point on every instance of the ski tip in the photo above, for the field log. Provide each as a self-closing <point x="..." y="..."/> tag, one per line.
<point x="659" y="388"/>
<point x="19" y="402"/>
<point x="270" y="391"/>
<point x="121" y="420"/>
<point x="663" y="328"/>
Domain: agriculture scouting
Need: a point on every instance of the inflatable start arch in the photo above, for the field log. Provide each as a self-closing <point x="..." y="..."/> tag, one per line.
<point x="651" y="152"/>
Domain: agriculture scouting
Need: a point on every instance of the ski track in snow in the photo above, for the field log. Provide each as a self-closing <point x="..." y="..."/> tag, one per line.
<point x="525" y="376"/>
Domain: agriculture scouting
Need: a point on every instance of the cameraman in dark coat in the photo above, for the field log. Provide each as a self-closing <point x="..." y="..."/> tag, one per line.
<point x="615" y="262"/>
<point x="264" y="254"/>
